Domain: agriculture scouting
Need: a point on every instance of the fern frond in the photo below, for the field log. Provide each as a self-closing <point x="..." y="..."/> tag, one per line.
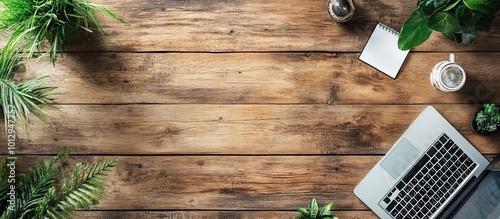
<point x="37" y="182"/>
<point x="83" y="186"/>
<point x="26" y="98"/>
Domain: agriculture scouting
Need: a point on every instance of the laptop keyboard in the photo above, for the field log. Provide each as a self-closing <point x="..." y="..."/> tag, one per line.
<point x="430" y="182"/>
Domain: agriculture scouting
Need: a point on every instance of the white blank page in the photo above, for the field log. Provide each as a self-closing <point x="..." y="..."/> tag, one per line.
<point x="382" y="52"/>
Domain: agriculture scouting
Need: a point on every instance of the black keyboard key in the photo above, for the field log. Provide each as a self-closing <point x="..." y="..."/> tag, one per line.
<point x="394" y="212"/>
<point x="439" y="155"/>
<point x="427" y="177"/>
<point x="443" y="138"/>
<point x="413" y="202"/>
<point x="398" y="198"/>
<point x="407" y="198"/>
<point x="400" y="185"/>
<point x="414" y="170"/>
<point x="447" y="156"/>
<point x="442" y="200"/>
<point x="404" y="211"/>
<point x="449" y="144"/>
<point x="449" y="172"/>
<point x="391" y="206"/>
<point x="402" y="194"/>
<point x="399" y="207"/>
<point x="431" y="151"/>
<point x="387" y="200"/>
<point x="453" y="149"/>
<point x="427" y="187"/>
<point x="438" y="145"/>
<point x="420" y="215"/>
<point x="468" y="162"/>
<point x="412" y="213"/>
<point x="463" y="168"/>
<point x="442" y="162"/>
<point x="424" y="170"/>
<point x="463" y="158"/>
<point x="447" y="185"/>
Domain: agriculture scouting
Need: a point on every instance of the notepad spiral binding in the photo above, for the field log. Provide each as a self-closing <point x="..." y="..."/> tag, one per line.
<point x="390" y="30"/>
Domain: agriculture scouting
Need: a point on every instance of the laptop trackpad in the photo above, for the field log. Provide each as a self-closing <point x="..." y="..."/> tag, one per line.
<point x="403" y="155"/>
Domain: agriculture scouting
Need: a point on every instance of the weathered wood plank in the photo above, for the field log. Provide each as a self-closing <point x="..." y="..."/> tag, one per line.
<point x="259" y="78"/>
<point x="227" y="183"/>
<point x="258" y="25"/>
<point x="236" y="129"/>
<point x="212" y="214"/>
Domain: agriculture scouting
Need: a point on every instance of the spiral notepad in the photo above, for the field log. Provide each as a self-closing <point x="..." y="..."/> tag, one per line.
<point x="381" y="51"/>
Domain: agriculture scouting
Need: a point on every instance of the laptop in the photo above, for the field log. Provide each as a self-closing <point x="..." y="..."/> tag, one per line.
<point x="424" y="173"/>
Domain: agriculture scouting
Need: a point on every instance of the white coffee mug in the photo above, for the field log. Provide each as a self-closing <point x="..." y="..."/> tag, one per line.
<point x="448" y="76"/>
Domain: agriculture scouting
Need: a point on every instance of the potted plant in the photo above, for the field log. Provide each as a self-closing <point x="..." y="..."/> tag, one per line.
<point x="56" y="21"/>
<point x="487" y="119"/>
<point x="44" y="192"/>
<point x="458" y="20"/>
<point x="316" y="212"/>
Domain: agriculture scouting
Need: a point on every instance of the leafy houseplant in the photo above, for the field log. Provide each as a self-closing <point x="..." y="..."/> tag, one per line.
<point x="486" y="119"/>
<point x="35" y="21"/>
<point x="458" y="20"/>
<point x="316" y="212"/>
<point x="40" y="195"/>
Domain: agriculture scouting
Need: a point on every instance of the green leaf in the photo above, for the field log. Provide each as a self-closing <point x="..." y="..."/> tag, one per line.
<point x="484" y="22"/>
<point x="299" y="217"/>
<point x="484" y="6"/>
<point x="452" y="5"/>
<point x="329" y="206"/>
<point x="466" y="16"/>
<point x="429" y="7"/>
<point x="414" y="31"/>
<point x="304" y="212"/>
<point x="443" y="22"/>
<point x="313" y="208"/>
<point x="457" y="37"/>
<point x="326" y="210"/>
<point x="468" y="38"/>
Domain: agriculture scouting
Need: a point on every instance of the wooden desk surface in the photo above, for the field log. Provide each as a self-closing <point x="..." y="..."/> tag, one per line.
<point x="245" y="108"/>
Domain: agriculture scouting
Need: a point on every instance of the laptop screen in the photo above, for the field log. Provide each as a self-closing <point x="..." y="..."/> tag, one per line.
<point x="484" y="202"/>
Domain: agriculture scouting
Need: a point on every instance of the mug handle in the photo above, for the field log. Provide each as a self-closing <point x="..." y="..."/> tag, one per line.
<point x="452" y="57"/>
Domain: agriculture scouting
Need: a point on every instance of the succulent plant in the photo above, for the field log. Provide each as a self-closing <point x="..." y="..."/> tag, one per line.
<point x="315" y="211"/>
<point x="488" y="119"/>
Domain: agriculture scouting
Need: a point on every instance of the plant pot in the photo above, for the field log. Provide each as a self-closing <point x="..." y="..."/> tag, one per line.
<point x="340" y="10"/>
<point x="473" y="124"/>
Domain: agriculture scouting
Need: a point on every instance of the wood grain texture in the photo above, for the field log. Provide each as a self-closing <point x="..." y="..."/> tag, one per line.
<point x="243" y="108"/>
<point x="236" y="129"/>
<point x="258" y="25"/>
<point x="213" y="214"/>
<point x="227" y="183"/>
<point x="273" y="78"/>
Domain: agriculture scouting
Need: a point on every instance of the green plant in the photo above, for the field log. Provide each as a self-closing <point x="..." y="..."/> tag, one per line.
<point x="39" y="195"/>
<point x="316" y="212"/>
<point x="35" y="21"/>
<point x="458" y="20"/>
<point x="488" y="119"/>
<point x="22" y="98"/>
